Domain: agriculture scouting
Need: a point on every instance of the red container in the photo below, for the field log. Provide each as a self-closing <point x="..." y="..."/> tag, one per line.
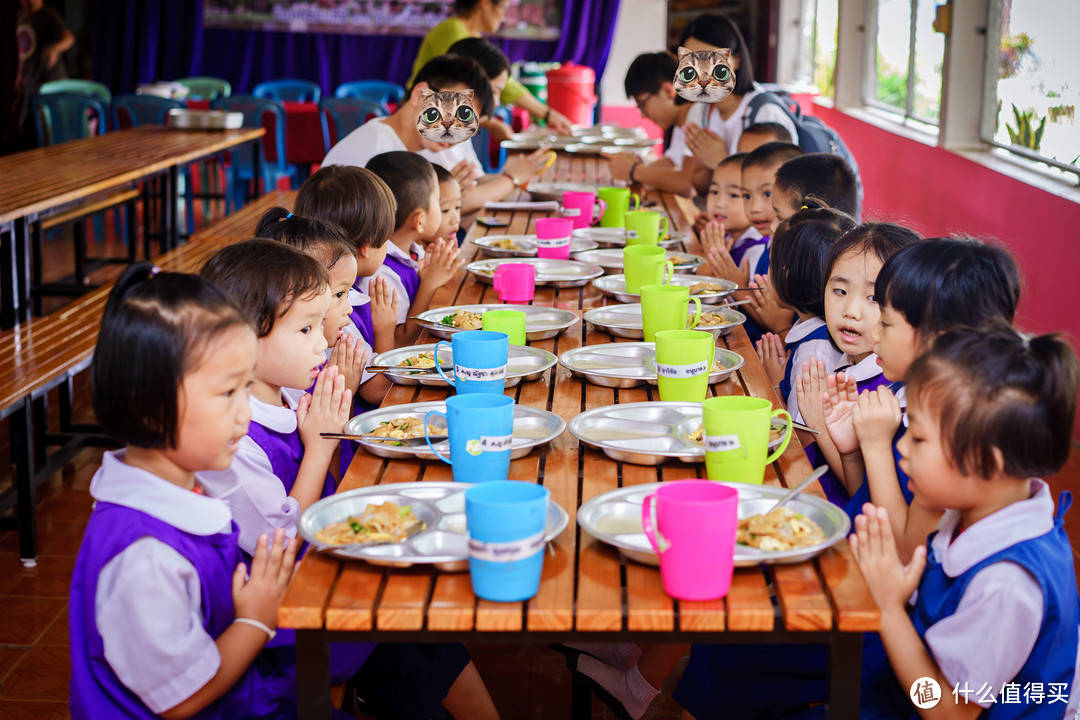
<point x="570" y="91"/>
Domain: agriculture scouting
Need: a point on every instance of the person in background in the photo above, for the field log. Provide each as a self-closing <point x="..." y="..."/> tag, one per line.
<point x="823" y="178"/>
<point x="449" y="204"/>
<point x="471" y="18"/>
<point x="42" y="38"/>
<point x="725" y="233"/>
<point x="497" y="69"/>
<point x="756" y="135"/>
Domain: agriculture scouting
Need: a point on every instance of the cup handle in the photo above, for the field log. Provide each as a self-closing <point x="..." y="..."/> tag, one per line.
<point x="596" y="217"/>
<point x="648" y="523"/>
<point x="428" y="437"/>
<point x="664" y="233"/>
<point x="784" y="440"/>
<point x="438" y="365"/>
<point x="670" y="272"/>
<point x="637" y="200"/>
<point x="697" y="315"/>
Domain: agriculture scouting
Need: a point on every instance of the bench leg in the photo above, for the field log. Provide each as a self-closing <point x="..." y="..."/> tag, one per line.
<point x="845" y="668"/>
<point x="79" y="231"/>
<point x="313" y="675"/>
<point x="9" y="277"/>
<point x="22" y="451"/>
<point x="129" y="229"/>
<point x="40" y="426"/>
<point x="146" y="212"/>
<point x="580" y="700"/>
<point x="37" y="276"/>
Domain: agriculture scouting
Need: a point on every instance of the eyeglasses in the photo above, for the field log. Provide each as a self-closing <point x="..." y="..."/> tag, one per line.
<point x="641" y="102"/>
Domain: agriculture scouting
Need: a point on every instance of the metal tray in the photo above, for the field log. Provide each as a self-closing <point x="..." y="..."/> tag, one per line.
<point x="615" y="286"/>
<point x="615" y="518"/>
<point x="627" y="365"/>
<point x="580" y="148"/>
<point x="616" y="237"/>
<point x="441" y="505"/>
<point x="609" y="131"/>
<point x="204" y="119"/>
<point x="527" y="245"/>
<point x="555" y="273"/>
<point x="541" y="323"/>
<point x="554" y="190"/>
<point x="644" y="433"/>
<point x="523" y="363"/>
<point x="611" y="259"/>
<point x="532" y="427"/>
<point x="639" y="143"/>
<point x="625" y="320"/>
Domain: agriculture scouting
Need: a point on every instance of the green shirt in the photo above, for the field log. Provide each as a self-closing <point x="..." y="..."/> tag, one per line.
<point x="438" y="41"/>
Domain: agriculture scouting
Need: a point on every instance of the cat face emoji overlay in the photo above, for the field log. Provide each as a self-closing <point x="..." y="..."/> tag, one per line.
<point x="704" y="76"/>
<point x="447" y="117"/>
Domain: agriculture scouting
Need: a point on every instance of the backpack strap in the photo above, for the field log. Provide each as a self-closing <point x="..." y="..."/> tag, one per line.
<point x="766" y="98"/>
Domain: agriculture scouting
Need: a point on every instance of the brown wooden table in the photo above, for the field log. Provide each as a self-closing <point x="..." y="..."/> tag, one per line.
<point x="35" y="182"/>
<point x="587" y="591"/>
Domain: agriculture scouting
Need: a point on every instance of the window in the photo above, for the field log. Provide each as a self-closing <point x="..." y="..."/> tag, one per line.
<point x="904" y="59"/>
<point x="817" y="53"/>
<point x="1032" y="88"/>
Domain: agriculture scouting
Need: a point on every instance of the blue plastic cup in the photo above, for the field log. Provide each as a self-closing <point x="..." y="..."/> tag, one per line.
<point x="506" y="523"/>
<point x="479" y="361"/>
<point x="481" y="432"/>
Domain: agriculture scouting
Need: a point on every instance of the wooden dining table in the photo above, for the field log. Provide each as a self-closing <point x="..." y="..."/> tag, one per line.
<point x="588" y="592"/>
<point x="36" y="182"/>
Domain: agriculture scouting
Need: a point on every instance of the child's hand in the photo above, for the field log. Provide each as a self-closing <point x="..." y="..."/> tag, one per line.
<point x="712" y="235"/>
<point x="325" y="410"/>
<point x="384" y="309"/>
<point x="765" y="308"/>
<point x="890" y="582"/>
<point x="465" y="172"/>
<point x="440" y="263"/>
<point x="876" y="417"/>
<point x="718" y="254"/>
<point x="349" y="359"/>
<point x="774" y="356"/>
<point x="259" y="596"/>
<point x="809" y="387"/>
<point x="838" y="401"/>
<point x="700" y="222"/>
<point x="708" y="147"/>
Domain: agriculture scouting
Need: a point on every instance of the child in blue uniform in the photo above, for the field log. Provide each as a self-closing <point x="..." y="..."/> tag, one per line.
<point x="990" y="412"/>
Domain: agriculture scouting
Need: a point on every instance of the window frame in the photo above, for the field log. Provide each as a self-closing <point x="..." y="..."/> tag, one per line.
<point x="870" y="72"/>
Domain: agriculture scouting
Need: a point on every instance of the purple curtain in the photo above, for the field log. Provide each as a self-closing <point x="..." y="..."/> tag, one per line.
<point x="148" y="40"/>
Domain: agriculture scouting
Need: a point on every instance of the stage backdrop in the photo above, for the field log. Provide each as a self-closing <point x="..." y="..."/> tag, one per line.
<point x="150" y="40"/>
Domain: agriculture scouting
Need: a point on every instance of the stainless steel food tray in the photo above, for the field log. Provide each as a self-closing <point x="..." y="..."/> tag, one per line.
<point x="527" y="245"/>
<point x="615" y="286"/>
<point x="625" y="320"/>
<point x="616" y="237"/>
<point x="554" y="190"/>
<point x="644" y="433"/>
<point x="627" y="365"/>
<point x="611" y="259"/>
<point x="204" y="119"/>
<point x="441" y="505"/>
<point x="640" y="143"/>
<point x="554" y="273"/>
<point x="532" y="427"/>
<point x="541" y="323"/>
<point x="523" y="363"/>
<point x="615" y="518"/>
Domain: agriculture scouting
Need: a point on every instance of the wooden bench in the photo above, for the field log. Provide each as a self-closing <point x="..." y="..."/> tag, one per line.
<point x="48" y="352"/>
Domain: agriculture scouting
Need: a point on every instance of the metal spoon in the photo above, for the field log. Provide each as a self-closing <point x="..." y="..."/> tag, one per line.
<point x="419" y="440"/>
<point x="799" y="488"/>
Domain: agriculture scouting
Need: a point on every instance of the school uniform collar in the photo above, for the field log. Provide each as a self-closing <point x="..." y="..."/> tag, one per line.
<point x="863" y="370"/>
<point x="750" y="233"/>
<point x="802" y="328"/>
<point x="1016" y="523"/>
<point x="275" y="417"/>
<point x="393" y="249"/>
<point x="118" y="483"/>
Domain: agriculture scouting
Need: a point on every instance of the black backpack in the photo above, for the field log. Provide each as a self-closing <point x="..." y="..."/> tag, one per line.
<point x="814" y="135"/>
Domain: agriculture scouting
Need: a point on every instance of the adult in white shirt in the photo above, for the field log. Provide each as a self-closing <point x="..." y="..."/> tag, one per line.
<point x="445" y="73"/>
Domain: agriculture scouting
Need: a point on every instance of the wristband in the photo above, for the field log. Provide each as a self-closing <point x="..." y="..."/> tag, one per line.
<point x="632" y="169"/>
<point x="256" y="624"/>
<point x="513" y="180"/>
<point x="547" y="115"/>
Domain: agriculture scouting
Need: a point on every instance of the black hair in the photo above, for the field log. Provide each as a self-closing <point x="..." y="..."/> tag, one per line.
<point x="879" y="239"/>
<point x="942" y="283"/>
<point x="720" y="32"/>
<point x="154" y="330"/>
<point x="733" y="159"/>
<point x="778" y="132"/>
<point x="323" y="240"/>
<point x="491" y="58"/>
<point x="994" y="388"/>
<point x="461" y="7"/>
<point x="265" y="277"/>
<point x="797" y="256"/>
<point x="648" y="72"/>
<point x="445" y="70"/>
<point x="442" y="174"/>
<point x="820" y="176"/>
<point x="771" y="153"/>
<point x="352" y="197"/>
<point x="410" y="177"/>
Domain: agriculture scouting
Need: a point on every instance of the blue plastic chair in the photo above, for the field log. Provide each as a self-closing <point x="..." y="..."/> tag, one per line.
<point x="290" y="90"/>
<point x="376" y="91"/>
<point x="206" y="88"/>
<point x="129" y="110"/>
<point x="77" y="87"/>
<point x="482" y="144"/>
<point x="61" y="117"/>
<point x="256" y="112"/>
<point x="345" y="114"/>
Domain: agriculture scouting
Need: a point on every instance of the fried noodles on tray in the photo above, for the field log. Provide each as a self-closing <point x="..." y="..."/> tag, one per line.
<point x="779" y="529"/>
<point x="386" y="522"/>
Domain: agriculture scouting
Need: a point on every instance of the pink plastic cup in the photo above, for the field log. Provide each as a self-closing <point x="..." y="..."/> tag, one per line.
<point x="691" y="526"/>
<point x="515" y="282"/>
<point x="581" y="208"/>
<point x="553" y="238"/>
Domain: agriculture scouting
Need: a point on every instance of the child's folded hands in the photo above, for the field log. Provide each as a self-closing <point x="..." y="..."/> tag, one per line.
<point x="325" y="410"/>
<point x="773" y="355"/>
<point x="809" y="389"/>
<point x="349" y="358"/>
<point x="890" y="581"/>
<point x="258" y="595"/>
<point x="384" y="309"/>
<point x="876" y="418"/>
<point x="837" y="403"/>
<point x="440" y="263"/>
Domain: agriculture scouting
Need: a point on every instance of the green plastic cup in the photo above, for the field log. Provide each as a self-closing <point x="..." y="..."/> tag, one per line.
<point x="736" y="437"/>
<point x="665" y="307"/>
<point x="644" y="265"/>
<point x="643" y="227"/>
<point x="683" y="361"/>
<point x="511" y="322"/>
<point x="617" y="201"/>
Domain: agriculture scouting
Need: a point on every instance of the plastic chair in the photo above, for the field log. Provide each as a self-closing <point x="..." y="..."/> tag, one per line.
<point x="129" y="110"/>
<point x="491" y="162"/>
<point x="60" y="117"/>
<point x="256" y="112"/>
<point x="376" y="91"/>
<point x="206" y="88"/>
<point x="77" y="87"/>
<point x="346" y="114"/>
<point x="290" y="90"/>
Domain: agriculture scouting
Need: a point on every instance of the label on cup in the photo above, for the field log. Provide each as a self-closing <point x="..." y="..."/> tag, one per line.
<point x="631" y="233"/>
<point x="682" y="371"/>
<point x="506" y="551"/>
<point x="480" y="374"/>
<point x="720" y="443"/>
<point x="571" y="212"/>
<point x="553" y="242"/>
<point x="489" y="443"/>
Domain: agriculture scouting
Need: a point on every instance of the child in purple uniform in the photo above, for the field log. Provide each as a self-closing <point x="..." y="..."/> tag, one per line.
<point x="163" y="621"/>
